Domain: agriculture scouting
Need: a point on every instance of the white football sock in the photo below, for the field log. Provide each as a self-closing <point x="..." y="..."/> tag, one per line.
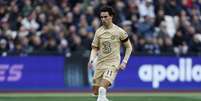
<point x="102" y="92"/>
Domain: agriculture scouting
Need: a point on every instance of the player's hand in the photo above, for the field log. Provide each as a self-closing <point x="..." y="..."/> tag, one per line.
<point x="90" y="64"/>
<point x="122" y="66"/>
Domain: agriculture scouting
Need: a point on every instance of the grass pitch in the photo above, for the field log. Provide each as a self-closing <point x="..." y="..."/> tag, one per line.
<point x="111" y="96"/>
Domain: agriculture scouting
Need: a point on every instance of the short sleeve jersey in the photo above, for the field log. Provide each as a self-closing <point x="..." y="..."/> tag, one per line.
<point x="108" y="41"/>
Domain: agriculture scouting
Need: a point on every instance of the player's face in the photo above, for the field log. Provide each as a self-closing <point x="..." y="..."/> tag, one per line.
<point x="106" y="19"/>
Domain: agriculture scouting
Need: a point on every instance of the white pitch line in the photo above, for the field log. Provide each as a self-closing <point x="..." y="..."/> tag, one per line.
<point x="198" y="95"/>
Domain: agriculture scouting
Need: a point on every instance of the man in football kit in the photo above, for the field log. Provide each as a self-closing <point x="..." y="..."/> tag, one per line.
<point x="106" y="46"/>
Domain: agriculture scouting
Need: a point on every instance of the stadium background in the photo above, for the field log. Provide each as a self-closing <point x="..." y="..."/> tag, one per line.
<point x="45" y="44"/>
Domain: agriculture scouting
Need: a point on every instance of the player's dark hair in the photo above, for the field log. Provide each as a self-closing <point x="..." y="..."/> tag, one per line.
<point x="108" y="9"/>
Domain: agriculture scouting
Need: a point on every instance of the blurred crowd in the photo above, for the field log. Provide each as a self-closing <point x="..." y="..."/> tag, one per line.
<point x="155" y="27"/>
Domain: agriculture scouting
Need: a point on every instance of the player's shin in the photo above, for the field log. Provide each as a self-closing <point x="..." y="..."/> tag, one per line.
<point x="103" y="88"/>
<point x="95" y="90"/>
<point x="102" y="92"/>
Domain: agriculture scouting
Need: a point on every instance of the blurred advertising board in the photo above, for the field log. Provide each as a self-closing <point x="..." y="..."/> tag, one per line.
<point x="161" y="73"/>
<point x="31" y="73"/>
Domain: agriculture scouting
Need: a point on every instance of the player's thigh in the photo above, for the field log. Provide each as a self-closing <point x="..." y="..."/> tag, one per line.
<point x="110" y="74"/>
<point x="98" y="75"/>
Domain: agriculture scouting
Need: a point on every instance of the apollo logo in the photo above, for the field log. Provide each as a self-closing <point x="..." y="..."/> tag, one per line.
<point x="183" y="72"/>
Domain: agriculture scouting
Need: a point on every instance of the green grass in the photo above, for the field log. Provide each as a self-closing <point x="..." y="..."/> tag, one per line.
<point x="111" y="96"/>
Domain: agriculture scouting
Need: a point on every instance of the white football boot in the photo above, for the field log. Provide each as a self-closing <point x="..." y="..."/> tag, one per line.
<point x="102" y="99"/>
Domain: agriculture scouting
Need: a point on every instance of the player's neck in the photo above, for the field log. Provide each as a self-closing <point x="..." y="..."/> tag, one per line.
<point x="108" y="26"/>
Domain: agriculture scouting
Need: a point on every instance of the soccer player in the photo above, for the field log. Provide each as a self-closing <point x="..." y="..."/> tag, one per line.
<point x="106" y="45"/>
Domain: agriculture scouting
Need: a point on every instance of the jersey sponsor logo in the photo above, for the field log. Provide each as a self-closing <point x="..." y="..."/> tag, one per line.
<point x="185" y="71"/>
<point x="106" y="47"/>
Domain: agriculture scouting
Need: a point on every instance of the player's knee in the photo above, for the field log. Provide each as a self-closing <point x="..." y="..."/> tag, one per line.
<point x="105" y="83"/>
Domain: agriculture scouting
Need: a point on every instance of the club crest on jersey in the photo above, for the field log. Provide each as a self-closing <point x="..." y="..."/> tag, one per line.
<point x="112" y="37"/>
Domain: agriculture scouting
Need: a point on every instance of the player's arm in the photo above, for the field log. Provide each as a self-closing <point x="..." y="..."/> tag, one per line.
<point x="128" y="51"/>
<point x="94" y="52"/>
<point x="127" y="44"/>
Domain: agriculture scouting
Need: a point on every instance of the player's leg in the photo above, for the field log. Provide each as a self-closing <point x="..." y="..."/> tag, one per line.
<point x="95" y="90"/>
<point x="105" y="83"/>
<point x="108" y="78"/>
<point x="102" y="91"/>
<point x="98" y="75"/>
